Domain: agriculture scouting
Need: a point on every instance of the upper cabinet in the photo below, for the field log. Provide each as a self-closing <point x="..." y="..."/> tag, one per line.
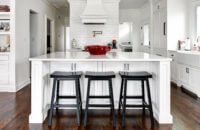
<point x="170" y="24"/>
<point x="159" y="45"/>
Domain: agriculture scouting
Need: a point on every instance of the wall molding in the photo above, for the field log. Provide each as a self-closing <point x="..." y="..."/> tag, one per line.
<point x="22" y="84"/>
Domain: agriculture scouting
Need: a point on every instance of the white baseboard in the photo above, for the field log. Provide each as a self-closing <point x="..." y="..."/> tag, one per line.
<point x="22" y="84"/>
<point x="7" y="88"/>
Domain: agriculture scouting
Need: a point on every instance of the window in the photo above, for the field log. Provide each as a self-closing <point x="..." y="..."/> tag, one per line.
<point x="146" y="35"/>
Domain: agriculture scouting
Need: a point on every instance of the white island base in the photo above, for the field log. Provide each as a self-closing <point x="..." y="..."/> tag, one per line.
<point x="44" y="65"/>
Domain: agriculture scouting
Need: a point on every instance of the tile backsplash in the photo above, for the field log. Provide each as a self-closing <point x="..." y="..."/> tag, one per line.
<point x="84" y="33"/>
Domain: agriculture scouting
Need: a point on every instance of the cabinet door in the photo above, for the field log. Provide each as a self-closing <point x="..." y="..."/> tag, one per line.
<point x="194" y="81"/>
<point x="87" y="66"/>
<point x="116" y="67"/>
<point x="66" y="87"/>
<point x="183" y="74"/>
<point x="4" y="73"/>
<point x="156" y="29"/>
<point x="163" y="29"/>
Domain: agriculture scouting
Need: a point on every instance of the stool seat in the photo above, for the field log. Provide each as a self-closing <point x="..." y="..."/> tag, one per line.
<point x="59" y="74"/>
<point x="136" y="75"/>
<point x="109" y="74"/>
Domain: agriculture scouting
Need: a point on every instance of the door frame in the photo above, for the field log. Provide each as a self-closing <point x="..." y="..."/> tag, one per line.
<point x="52" y="31"/>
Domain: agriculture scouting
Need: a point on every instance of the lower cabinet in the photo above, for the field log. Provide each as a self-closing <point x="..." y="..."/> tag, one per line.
<point x="194" y="80"/>
<point x="98" y="87"/>
<point x="4" y="72"/>
<point x="189" y="78"/>
<point x="183" y="74"/>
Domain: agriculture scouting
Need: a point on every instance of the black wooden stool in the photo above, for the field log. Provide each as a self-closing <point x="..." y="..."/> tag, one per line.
<point x="136" y="76"/>
<point x="62" y="76"/>
<point x="96" y="76"/>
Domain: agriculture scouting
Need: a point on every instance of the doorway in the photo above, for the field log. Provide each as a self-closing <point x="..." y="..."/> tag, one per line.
<point x="48" y="36"/>
<point x="34" y="36"/>
<point x="49" y="40"/>
<point x="34" y="44"/>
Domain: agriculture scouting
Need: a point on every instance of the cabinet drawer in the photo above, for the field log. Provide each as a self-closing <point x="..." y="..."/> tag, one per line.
<point x="189" y="59"/>
<point x="4" y="58"/>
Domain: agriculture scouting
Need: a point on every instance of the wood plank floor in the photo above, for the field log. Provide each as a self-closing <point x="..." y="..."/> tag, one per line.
<point x="15" y="110"/>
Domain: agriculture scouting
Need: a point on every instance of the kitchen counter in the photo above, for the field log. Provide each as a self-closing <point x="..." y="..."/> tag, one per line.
<point x="44" y="65"/>
<point x="111" y="56"/>
<point x="189" y="52"/>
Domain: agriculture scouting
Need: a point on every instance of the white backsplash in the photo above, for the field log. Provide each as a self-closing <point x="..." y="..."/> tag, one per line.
<point x="84" y="33"/>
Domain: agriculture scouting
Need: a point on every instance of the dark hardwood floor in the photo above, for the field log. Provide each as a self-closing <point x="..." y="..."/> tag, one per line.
<point x="15" y="110"/>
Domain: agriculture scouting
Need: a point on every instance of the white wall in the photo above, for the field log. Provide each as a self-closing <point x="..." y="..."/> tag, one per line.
<point x="178" y="22"/>
<point x="23" y="8"/>
<point x="84" y="33"/>
<point x="132" y="16"/>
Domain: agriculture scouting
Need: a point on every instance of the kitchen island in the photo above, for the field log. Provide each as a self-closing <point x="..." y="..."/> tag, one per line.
<point x="44" y="65"/>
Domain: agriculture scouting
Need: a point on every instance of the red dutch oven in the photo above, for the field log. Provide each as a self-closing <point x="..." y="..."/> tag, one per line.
<point x="97" y="49"/>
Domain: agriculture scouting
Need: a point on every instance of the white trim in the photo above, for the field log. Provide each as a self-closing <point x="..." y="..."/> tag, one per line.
<point x="7" y="88"/>
<point x="22" y="84"/>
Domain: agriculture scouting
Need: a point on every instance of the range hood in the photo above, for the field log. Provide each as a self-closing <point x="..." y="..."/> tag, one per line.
<point x="94" y="13"/>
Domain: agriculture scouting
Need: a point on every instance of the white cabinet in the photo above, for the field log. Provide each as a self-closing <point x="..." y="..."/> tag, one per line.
<point x="183" y="74"/>
<point x="189" y="71"/>
<point x="4" y="70"/>
<point x="194" y="81"/>
<point x="159" y="45"/>
<point x="68" y="87"/>
<point x="174" y="71"/>
<point x="4" y="73"/>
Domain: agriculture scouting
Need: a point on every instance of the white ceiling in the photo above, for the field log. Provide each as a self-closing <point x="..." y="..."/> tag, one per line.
<point x="59" y="3"/>
<point x="131" y="4"/>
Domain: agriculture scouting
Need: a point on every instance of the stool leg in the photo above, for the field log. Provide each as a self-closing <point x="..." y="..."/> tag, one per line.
<point x="124" y="104"/>
<point x="143" y="97"/>
<point x="150" y="103"/>
<point x="87" y="103"/>
<point x="52" y="103"/>
<point x="112" y="102"/>
<point x="57" y="93"/>
<point x="120" y="97"/>
<point x="78" y="102"/>
<point x="79" y="87"/>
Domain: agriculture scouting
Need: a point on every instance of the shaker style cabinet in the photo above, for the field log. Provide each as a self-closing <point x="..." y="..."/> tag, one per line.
<point x="68" y="87"/>
<point x="159" y="44"/>
<point x="189" y="72"/>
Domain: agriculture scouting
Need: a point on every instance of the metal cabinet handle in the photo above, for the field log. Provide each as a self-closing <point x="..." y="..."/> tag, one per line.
<point x="187" y="70"/>
<point x="75" y="66"/>
<point x="128" y="66"/>
<point x="72" y="67"/>
<point x="124" y="66"/>
<point x="164" y="29"/>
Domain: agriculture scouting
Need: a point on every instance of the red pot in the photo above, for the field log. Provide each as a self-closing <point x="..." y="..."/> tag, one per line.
<point x="97" y="49"/>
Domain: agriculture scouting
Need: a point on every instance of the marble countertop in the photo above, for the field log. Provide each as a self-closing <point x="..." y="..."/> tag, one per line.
<point x="111" y="56"/>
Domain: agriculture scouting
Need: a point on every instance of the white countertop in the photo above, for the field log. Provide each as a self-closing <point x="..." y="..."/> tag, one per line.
<point x="111" y="56"/>
<point x="190" y="52"/>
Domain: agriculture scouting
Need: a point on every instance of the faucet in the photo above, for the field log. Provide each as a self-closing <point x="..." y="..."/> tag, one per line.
<point x="97" y="32"/>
